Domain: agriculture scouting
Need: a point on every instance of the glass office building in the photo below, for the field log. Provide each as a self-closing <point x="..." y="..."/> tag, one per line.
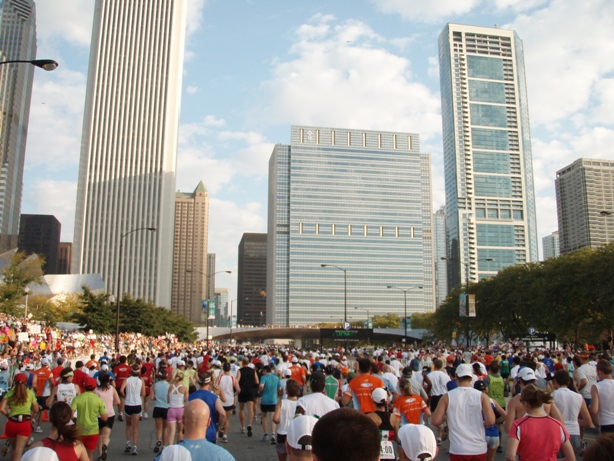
<point x="490" y="198"/>
<point x="360" y="202"/>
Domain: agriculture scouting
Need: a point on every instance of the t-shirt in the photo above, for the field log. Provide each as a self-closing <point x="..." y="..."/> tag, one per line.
<point x="88" y="406"/>
<point x="538" y="438"/>
<point x="122" y="372"/>
<point x="202" y="450"/>
<point x="22" y="409"/>
<point x="360" y="390"/>
<point x="209" y="398"/>
<point x="589" y="373"/>
<point x="331" y="386"/>
<point x="270" y="383"/>
<point x="409" y="408"/>
<point x="316" y="404"/>
<point x="42" y="387"/>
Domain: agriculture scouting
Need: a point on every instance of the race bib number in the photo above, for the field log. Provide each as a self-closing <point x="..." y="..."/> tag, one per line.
<point x="386" y="451"/>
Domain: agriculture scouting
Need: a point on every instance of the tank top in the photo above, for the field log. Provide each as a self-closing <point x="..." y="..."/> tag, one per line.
<point x="496" y="389"/>
<point x="161" y="392"/>
<point x="247" y="381"/>
<point x="385" y="417"/>
<point x="465" y="422"/>
<point x="133" y="391"/>
<point x="66" y="392"/>
<point x="288" y="410"/>
<point x="107" y="397"/>
<point x="605" y="387"/>
<point x="65" y="451"/>
<point x="226" y="384"/>
<point x="175" y="397"/>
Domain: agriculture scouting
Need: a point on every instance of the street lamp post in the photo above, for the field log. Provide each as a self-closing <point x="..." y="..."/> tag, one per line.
<point x="208" y="300"/>
<point x="466" y="264"/>
<point x="119" y="279"/>
<point x="345" y="290"/>
<point x="45" y="64"/>
<point x="231" y="301"/>
<point x="405" y="290"/>
<point x="368" y="315"/>
<point x="27" y="292"/>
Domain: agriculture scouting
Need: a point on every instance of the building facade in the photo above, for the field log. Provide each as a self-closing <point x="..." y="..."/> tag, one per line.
<point x="17" y="42"/>
<point x="222" y="311"/>
<point x="190" y="253"/>
<point x="251" y="282"/>
<point x="40" y="234"/>
<point x="129" y="146"/>
<point x="584" y="203"/>
<point x="550" y="245"/>
<point x="440" y="252"/>
<point x="490" y="197"/>
<point x="358" y="200"/>
<point x="65" y="258"/>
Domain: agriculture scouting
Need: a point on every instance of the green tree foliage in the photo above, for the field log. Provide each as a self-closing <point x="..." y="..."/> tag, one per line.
<point x="136" y="316"/>
<point x="571" y="296"/>
<point x="53" y="310"/>
<point x="386" y="321"/>
<point x="20" y="271"/>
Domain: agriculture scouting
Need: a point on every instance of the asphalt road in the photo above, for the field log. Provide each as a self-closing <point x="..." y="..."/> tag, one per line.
<point x="242" y="447"/>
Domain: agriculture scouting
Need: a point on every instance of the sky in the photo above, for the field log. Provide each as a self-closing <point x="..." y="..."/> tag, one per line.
<point x="253" y="68"/>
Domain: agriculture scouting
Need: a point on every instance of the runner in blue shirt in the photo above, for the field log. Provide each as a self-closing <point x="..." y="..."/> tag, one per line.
<point x="268" y="390"/>
<point x="213" y="401"/>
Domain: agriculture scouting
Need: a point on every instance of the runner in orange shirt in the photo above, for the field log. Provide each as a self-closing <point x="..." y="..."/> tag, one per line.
<point x="298" y="374"/>
<point x="408" y="407"/>
<point x="43" y="389"/>
<point x="361" y="388"/>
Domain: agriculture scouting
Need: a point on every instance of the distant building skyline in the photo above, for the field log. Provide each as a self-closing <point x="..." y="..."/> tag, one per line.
<point x="356" y="199"/>
<point x="490" y="196"/>
<point x="440" y="251"/>
<point x="252" y="279"/>
<point x="584" y="189"/>
<point x="65" y="258"/>
<point x="550" y="245"/>
<point x="191" y="241"/>
<point x="129" y="147"/>
<point x="17" y="42"/>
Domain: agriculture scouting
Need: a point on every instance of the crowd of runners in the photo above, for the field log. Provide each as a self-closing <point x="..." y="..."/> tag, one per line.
<point x="328" y="404"/>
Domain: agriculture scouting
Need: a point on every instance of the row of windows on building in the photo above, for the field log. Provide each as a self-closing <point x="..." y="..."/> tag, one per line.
<point x="358" y="139"/>
<point x="353" y="229"/>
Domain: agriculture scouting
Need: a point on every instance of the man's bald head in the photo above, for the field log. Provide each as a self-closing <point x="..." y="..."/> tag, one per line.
<point x="196" y="419"/>
<point x="386" y="369"/>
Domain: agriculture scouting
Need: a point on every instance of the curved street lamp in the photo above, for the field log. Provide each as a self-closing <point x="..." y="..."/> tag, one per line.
<point x="119" y="279"/>
<point x="45" y="64"/>
<point x="345" y="289"/>
<point x="405" y="290"/>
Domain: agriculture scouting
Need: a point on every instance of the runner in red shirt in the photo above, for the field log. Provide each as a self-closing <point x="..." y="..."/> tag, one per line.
<point x="57" y="370"/>
<point x="122" y="372"/>
<point x="80" y="376"/>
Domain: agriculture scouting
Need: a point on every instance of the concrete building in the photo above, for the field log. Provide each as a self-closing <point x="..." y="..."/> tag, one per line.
<point x="251" y="282"/>
<point x="40" y="234"/>
<point x="439" y="251"/>
<point x="221" y="307"/>
<point x="190" y="253"/>
<point x="490" y="196"/>
<point x="17" y="42"/>
<point x="65" y="258"/>
<point x="550" y="245"/>
<point x="359" y="202"/>
<point x="129" y="146"/>
<point x="585" y="203"/>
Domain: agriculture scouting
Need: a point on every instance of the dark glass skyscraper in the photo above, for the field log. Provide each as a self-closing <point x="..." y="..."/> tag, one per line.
<point x="490" y="197"/>
<point x="251" y="283"/>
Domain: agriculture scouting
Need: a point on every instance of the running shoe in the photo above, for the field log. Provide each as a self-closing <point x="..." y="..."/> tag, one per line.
<point x="134" y="451"/>
<point x="38" y="429"/>
<point x="120" y="417"/>
<point x="242" y="430"/>
<point x="157" y="447"/>
<point x="249" y="430"/>
<point x="225" y="439"/>
<point x="30" y="442"/>
<point x="273" y="441"/>
<point x="145" y="415"/>
<point x="264" y="438"/>
<point x="6" y="448"/>
<point x="103" y="455"/>
<point x="220" y="434"/>
<point x="128" y="447"/>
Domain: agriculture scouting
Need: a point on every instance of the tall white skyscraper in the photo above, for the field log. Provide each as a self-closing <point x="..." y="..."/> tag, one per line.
<point x="129" y="146"/>
<point x="490" y="197"/>
<point x="17" y="42"/>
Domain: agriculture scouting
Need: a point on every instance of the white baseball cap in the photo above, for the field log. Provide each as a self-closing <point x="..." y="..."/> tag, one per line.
<point x="416" y="440"/>
<point x="527" y="374"/>
<point x="294" y="360"/>
<point x="464" y="369"/>
<point x="44" y="361"/>
<point x="287" y="372"/>
<point x="299" y="428"/>
<point x="379" y="395"/>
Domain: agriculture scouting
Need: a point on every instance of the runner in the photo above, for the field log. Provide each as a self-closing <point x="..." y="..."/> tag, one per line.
<point x="602" y="397"/>
<point x="89" y="408"/>
<point x="110" y="397"/>
<point x="65" y="390"/>
<point x="177" y="398"/>
<point x="133" y="390"/>
<point x="284" y="413"/>
<point x="493" y="440"/>
<point x="317" y="403"/>
<point x="268" y="389"/>
<point x="247" y="379"/>
<point x="228" y="386"/>
<point x="122" y="371"/>
<point x="573" y="408"/>
<point x="409" y="408"/>
<point x="214" y="402"/>
<point x="439" y="380"/>
<point x="21" y="403"/>
<point x="159" y="394"/>
<point x="360" y="388"/>
<point x="43" y="390"/>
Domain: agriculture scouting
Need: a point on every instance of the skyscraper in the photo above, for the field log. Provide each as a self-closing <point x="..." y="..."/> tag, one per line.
<point x="17" y="42"/>
<point x="190" y="253"/>
<point x="360" y="201"/>
<point x="40" y="234"/>
<point x="550" y="245"/>
<point x="251" y="281"/>
<point x="128" y="154"/>
<point x="440" y="251"/>
<point x="490" y="198"/>
<point x="584" y="203"/>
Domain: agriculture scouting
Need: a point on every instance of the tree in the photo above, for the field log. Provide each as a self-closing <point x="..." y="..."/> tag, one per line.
<point x="17" y="275"/>
<point x="52" y="310"/>
<point x="386" y="321"/>
<point x="97" y="314"/>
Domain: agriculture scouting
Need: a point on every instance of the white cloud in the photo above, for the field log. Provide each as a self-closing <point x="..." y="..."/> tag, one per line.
<point x="333" y="83"/>
<point x="251" y="150"/>
<point x="428" y="11"/>
<point x="194" y="16"/>
<point x="568" y="49"/>
<point x="67" y="21"/>
<point x="191" y="89"/>
<point x="53" y="197"/>
<point x="604" y="94"/>
<point x="519" y="5"/>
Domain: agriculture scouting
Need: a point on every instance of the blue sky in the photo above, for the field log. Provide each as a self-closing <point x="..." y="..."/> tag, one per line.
<point x="253" y="68"/>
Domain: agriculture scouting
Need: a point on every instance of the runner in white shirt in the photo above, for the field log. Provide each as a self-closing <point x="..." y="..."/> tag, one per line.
<point x="228" y="386"/>
<point x="571" y="405"/>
